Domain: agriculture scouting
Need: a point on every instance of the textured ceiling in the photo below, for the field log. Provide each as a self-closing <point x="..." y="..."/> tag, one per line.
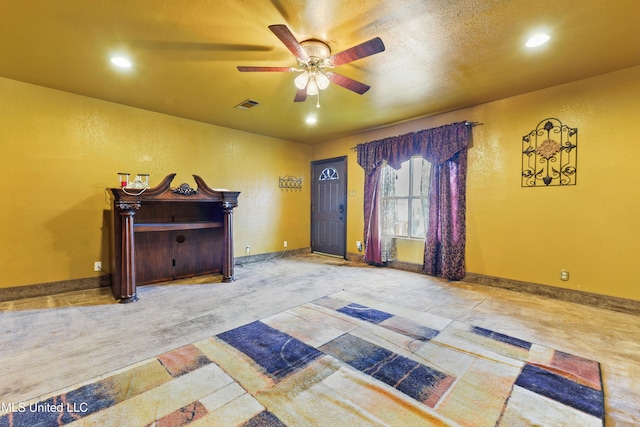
<point x="440" y="55"/>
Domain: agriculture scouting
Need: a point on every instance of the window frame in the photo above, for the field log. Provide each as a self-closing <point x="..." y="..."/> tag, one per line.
<point x="410" y="198"/>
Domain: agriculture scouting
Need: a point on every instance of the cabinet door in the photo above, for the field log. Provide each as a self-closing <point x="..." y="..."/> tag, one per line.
<point x="153" y="257"/>
<point x="197" y="252"/>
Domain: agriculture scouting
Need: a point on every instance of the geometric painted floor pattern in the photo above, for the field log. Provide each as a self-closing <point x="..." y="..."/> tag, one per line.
<point x="342" y="360"/>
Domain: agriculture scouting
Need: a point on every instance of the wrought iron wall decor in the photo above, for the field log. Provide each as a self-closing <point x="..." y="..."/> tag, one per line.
<point x="549" y="155"/>
<point x="290" y="183"/>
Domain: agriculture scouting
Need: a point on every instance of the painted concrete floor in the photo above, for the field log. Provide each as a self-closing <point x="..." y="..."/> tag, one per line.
<point x="49" y="343"/>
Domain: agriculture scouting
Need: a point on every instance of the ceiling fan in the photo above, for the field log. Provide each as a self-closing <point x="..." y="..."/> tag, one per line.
<point x="315" y="59"/>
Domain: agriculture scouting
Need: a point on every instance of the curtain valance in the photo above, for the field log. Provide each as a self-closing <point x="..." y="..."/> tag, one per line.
<point x="436" y="145"/>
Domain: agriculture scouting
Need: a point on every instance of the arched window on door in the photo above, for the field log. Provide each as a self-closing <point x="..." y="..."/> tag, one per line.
<point x="328" y="174"/>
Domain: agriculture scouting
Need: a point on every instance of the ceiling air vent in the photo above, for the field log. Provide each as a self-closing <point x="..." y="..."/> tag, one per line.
<point x="245" y="105"/>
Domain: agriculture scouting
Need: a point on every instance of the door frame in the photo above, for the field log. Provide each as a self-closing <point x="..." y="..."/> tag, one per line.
<point x="345" y="162"/>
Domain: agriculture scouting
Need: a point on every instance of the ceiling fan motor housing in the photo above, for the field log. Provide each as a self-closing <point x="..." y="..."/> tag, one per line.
<point x="319" y="54"/>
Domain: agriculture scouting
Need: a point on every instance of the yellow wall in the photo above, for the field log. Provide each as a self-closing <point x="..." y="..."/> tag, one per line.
<point x="530" y="234"/>
<point x="60" y="151"/>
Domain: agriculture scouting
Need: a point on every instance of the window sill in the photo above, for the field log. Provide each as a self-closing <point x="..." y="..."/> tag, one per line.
<point x="420" y="239"/>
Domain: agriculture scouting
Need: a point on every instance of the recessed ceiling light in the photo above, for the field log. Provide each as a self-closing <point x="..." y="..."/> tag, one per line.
<point x="537" y="40"/>
<point x="121" y="61"/>
<point x="311" y="120"/>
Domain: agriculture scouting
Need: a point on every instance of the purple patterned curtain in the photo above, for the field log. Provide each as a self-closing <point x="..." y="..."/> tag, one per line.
<point x="445" y="148"/>
<point x="372" y="157"/>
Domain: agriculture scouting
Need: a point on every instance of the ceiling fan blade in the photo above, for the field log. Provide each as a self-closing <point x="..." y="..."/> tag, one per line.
<point x="348" y="83"/>
<point x="159" y="45"/>
<point x="285" y="36"/>
<point x="362" y="50"/>
<point x="301" y="95"/>
<point x="261" y="69"/>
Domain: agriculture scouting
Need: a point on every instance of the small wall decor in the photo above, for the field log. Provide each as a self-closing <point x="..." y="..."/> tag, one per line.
<point x="549" y="155"/>
<point x="290" y="182"/>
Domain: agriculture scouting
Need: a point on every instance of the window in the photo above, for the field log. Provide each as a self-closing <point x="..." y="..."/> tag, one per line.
<point x="328" y="174"/>
<point x="405" y="199"/>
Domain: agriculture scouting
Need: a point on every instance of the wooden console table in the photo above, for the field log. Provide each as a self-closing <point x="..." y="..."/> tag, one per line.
<point x="166" y="233"/>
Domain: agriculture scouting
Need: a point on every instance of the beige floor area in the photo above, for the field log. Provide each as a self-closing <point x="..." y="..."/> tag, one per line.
<point x="49" y="343"/>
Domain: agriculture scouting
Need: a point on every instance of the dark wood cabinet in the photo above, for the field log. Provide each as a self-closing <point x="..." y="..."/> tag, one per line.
<point x="165" y="233"/>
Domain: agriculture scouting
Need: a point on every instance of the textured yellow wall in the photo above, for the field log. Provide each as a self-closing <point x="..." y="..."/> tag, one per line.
<point x="590" y="229"/>
<point x="60" y="151"/>
<point x="530" y="234"/>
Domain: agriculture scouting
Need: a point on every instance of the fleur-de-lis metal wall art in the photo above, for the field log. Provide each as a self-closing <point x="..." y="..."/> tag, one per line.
<point x="549" y="155"/>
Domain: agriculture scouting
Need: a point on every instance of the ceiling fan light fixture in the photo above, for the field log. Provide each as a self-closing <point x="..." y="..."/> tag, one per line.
<point x="312" y="87"/>
<point x="321" y="80"/>
<point x="302" y="80"/>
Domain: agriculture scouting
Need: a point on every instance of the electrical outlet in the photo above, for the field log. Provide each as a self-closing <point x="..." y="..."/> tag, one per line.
<point x="359" y="245"/>
<point x="247" y="250"/>
<point x="564" y="275"/>
<point x="285" y="244"/>
<point x="97" y="266"/>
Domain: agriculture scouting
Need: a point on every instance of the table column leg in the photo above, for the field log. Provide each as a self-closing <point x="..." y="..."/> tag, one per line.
<point x="227" y="256"/>
<point x="128" y="292"/>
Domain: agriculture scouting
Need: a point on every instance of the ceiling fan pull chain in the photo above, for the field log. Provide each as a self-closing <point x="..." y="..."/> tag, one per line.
<point x="318" y="100"/>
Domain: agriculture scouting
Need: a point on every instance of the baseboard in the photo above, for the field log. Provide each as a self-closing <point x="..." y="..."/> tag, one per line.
<point x="622" y="305"/>
<point x="52" y="288"/>
<point x="248" y="259"/>
<point x="398" y="265"/>
<point x="354" y="257"/>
